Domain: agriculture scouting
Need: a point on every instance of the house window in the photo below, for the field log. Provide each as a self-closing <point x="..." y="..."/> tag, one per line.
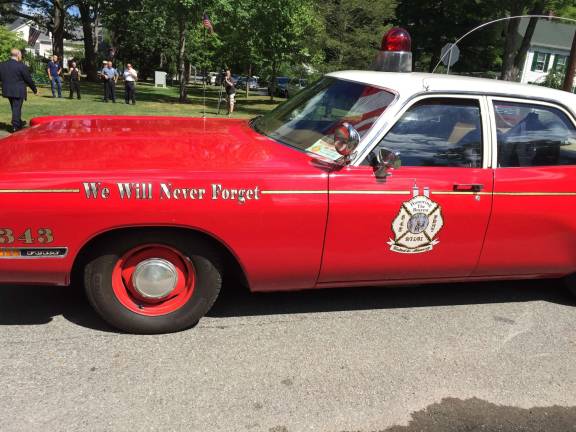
<point x="540" y="62"/>
<point x="560" y="62"/>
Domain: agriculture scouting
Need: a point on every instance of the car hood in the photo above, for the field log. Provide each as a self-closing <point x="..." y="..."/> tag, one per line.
<point x="143" y="143"/>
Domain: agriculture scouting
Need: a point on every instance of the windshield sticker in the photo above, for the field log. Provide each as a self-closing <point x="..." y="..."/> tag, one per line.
<point x="417" y="225"/>
<point x="324" y="149"/>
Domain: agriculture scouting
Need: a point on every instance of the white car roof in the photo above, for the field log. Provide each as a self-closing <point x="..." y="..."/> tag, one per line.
<point x="408" y="84"/>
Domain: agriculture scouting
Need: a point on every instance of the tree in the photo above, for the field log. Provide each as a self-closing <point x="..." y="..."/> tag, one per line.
<point x="9" y="40"/>
<point x="353" y="30"/>
<point x="58" y="16"/>
<point x="236" y="40"/>
<point x="89" y="15"/>
<point x="433" y="23"/>
<point x="282" y="30"/>
<point x="143" y="33"/>
<point x="9" y="10"/>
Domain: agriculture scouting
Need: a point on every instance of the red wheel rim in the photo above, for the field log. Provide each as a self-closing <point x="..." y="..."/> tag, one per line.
<point x="132" y="299"/>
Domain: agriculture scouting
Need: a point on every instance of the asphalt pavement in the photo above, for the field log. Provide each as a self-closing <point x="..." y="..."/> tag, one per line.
<point x="452" y="358"/>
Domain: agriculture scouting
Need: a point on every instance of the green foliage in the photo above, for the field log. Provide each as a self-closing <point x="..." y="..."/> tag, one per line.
<point x="9" y="40"/>
<point x="282" y="29"/>
<point x="434" y="23"/>
<point x="353" y="30"/>
<point x="554" y="79"/>
<point x="291" y="37"/>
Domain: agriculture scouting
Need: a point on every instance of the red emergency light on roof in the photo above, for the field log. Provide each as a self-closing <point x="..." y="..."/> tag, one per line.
<point x="395" y="53"/>
<point x="396" y="39"/>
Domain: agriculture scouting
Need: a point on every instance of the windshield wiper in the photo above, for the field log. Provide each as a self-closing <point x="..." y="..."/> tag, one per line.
<point x="251" y="122"/>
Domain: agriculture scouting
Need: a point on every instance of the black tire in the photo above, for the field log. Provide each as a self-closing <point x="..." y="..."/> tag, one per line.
<point x="98" y="282"/>
<point x="570" y="283"/>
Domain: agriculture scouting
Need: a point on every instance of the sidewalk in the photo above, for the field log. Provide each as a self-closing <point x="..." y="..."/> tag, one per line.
<point x="3" y="134"/>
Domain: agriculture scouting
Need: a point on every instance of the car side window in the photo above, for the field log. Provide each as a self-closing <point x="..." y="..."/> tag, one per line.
<point x="533" y="135"/>
<point x="440" y="132"/>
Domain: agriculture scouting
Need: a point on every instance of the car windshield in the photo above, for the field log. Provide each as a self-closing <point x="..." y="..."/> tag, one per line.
<point x="283" y="80"/>
<point x="310" y="118"/>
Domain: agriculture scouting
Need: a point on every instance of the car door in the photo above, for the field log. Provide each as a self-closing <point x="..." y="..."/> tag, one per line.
<point x="533" y="228"/>
<point x="428" y="219"/>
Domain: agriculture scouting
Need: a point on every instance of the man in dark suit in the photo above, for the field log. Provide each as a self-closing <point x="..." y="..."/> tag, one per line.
<point x="15" y="76"/>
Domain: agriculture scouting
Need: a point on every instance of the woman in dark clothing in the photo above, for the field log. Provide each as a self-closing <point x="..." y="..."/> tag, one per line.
<point x="74" y="81"/>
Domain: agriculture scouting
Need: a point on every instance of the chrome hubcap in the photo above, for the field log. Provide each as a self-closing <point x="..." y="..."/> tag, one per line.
<point x="155" y="278"/>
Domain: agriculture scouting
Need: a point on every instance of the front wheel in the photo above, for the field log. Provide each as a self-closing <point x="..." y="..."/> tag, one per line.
<point x="153" y="283"/>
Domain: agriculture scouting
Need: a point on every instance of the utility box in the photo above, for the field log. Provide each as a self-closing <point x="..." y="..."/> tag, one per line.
<point x="160" y="79"/>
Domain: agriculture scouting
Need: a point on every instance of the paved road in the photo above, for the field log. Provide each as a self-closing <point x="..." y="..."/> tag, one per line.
<point x="431" y="358"/>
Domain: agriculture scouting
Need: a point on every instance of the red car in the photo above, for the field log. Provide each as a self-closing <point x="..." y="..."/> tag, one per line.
<point x="364" y="178"/>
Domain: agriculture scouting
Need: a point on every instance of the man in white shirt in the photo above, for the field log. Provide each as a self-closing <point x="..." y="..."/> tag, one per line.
<point x="130" y="77"/>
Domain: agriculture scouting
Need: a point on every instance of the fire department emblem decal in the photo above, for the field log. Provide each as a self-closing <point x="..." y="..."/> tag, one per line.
<point x="417" y="225"/>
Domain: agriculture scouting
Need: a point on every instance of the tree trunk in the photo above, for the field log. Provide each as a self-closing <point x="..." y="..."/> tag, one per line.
<point x="508" y="73"/>
<point x="90" y="53"/>
<point x="187" y="73"/>
<point x="58" y="30"/>
<point x="571" y="68"/>
<point x="273" y="80"/>
<point x="182" y="58"/>
<point x="521" y="55"/>
<point x="248" y="80"/>
<point x="433" y="61"/>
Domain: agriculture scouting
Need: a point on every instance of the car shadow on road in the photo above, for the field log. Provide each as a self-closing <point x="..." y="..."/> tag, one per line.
<point x="36" y="305"/>
<point x="240" y="302"/>
<point x="457" y="415"/>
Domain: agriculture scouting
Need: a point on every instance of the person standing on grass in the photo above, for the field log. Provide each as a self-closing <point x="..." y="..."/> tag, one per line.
<point x="15" y="76"/>
<point x="130" y="77"/>
<point x="54" y="71"/>
<point x="110" y="76"/>
<point x="230" y="92"/>
<point x="74" y="80"/>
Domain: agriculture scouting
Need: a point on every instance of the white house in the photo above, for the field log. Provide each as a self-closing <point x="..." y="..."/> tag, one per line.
<point x="39" y="41"/>
<point x="549" y="49"/>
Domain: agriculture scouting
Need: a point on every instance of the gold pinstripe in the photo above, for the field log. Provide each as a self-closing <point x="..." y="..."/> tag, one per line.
<point x="24" y="191"/>
<point x="321" y="192"/>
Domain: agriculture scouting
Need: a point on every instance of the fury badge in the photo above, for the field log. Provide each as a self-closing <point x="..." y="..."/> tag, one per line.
<point x="417" y="224"/>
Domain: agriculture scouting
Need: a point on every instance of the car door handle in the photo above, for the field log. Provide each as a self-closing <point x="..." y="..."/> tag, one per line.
<point x="468" y="187"/>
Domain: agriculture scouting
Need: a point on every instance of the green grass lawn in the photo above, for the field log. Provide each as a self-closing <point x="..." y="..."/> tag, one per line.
<point x="149" y="101"/>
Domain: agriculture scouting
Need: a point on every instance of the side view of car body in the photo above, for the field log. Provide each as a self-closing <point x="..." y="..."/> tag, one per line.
<point x="211" y="78"/>
<point x="295" y="86"/>
<point x="279" y="88"/>
<point x="250" y="82"/>
<point x="366" y="178"/>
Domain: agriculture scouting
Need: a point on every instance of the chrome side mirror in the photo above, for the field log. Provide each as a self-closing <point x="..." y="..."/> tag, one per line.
<point x="387" y="160"/>
<point x="346" y="139"/>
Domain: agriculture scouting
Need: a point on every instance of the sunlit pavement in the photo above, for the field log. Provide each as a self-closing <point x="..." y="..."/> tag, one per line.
<point x="428" y="358"/>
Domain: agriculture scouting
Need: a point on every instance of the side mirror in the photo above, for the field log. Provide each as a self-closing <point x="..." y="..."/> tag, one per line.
<point x="387" y="160"/>
<point x="346" y="139"/>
